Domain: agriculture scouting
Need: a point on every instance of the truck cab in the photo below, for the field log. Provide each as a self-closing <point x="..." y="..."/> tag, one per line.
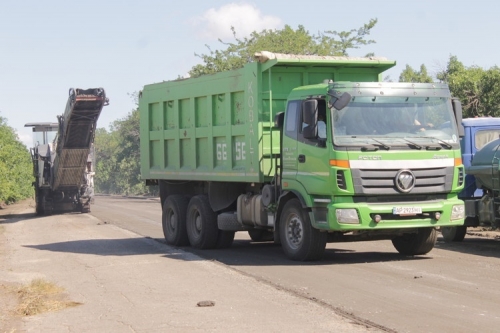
<point x="479" y="208"/>
<point x="478" y="132"/>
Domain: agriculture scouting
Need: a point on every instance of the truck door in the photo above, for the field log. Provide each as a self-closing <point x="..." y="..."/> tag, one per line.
<point x="313" y="156"/>
<point x="290" y="135"/>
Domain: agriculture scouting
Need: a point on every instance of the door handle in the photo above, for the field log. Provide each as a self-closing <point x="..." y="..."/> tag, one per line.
<point x="302" y="158"/>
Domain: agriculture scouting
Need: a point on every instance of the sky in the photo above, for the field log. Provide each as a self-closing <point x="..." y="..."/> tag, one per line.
<point x="50" y="46"/>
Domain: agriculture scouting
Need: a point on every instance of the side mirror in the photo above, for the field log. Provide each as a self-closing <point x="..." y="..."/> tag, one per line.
<point x="457" y="110"/>
<point x="310" y="111"/>
<point x="310" y="132"/>
<point x="279" y="119"/>
<point x="339" y="102"/>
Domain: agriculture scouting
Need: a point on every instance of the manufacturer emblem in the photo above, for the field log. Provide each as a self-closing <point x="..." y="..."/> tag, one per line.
<point x="405" y="181"/>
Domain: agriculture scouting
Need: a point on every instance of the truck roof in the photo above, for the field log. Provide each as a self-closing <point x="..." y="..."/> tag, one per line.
<point x="272" y="59"/>
<point x="481" y="121"/>
<point x="43" y="126"/>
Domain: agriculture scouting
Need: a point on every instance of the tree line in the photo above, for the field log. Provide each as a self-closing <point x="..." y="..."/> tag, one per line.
<point x="117" y="148"/>
<point x="16" y="169"/>
<point x="478" y="89"/>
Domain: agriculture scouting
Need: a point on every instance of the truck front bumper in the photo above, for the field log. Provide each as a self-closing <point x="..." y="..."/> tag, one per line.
<point x="370" y="216"/>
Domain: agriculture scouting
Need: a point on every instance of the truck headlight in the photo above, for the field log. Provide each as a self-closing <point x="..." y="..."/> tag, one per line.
<point x="347" y="216"/>
<point x="458" y="212"/>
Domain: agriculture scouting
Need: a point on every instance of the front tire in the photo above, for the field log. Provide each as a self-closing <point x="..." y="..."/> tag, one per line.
<point x="85" y="208"/>
<point x="299" y="240"/>
<point x="454" y="234"/>
<point x="39" y="203"/>
<point x="173" y="220"/>
<point x="201" y="223"/>
<point x="418" y="243"/>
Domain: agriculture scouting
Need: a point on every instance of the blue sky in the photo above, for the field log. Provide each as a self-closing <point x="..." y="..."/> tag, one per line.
<point x="47" y="47"/>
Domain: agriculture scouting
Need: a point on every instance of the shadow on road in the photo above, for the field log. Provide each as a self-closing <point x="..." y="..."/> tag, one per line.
<point x="248" y="253"/>
<point x="107" y="247"/>
<point x="242" y="253"/>
<point x="13" y="217"/>
<point x="481" y="246"/>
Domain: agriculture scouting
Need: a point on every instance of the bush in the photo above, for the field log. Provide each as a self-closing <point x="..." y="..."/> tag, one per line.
<point x="16" y="169"/>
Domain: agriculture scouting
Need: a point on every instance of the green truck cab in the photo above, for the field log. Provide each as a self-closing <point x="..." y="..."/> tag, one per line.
<point x="304" y="150"/>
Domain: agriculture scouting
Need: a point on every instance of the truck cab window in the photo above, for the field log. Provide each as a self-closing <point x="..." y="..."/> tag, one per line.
<point x="322" y="120"/>
<point x="292" y="112"/>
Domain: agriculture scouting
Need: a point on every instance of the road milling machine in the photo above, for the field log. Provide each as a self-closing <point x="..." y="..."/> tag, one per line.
<point x="63" y="154"/>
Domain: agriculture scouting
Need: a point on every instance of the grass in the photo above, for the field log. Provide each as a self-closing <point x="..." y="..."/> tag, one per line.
<point x="41" y="296"/>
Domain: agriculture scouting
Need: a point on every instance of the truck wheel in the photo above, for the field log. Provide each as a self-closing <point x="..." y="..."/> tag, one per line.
<point x="261" y="235"/>
<point x="299" y="240"/>
<point x="417" y="243"/>
<point x="39" y="204"/>
<point x="201" y="223"/>
<point x="173" y="220"/>
<point x="454" y="234"/>
<point x="47" y="204"/>
<point x="85" y="208"/>
<point x="224" y="239"/>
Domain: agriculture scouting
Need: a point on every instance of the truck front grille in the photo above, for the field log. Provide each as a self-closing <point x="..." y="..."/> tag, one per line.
<point x="382" y="182"/>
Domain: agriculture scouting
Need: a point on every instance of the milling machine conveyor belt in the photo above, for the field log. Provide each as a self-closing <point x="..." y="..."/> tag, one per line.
<point x="76" y="134"/>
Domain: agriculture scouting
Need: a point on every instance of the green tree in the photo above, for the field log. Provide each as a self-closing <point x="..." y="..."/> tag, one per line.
<point x="478" y="89"/>
<point x="106" y="143"/>
<point x="16" y="168"/>
<point x="411" y="75"/>
<point x="128" y="155"/>
<point x="118" y="159"/>
<point x="286" y="40"/>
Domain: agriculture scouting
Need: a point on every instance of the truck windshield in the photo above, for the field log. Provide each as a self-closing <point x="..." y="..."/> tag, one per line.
<point x="394" y="118"/>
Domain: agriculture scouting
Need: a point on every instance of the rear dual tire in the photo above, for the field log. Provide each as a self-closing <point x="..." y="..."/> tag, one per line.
<point x="174" y="220"/>
<point x="193" y="222"/>
<point x="201" y="225"/>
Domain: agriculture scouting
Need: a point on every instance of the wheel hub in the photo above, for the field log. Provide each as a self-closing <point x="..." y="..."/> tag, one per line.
<point x="173" y="221"/>
<point x="197" y="223"/>
<point x="295" y="232"/>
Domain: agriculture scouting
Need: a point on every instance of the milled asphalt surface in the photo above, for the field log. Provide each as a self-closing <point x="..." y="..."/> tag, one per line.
<point x="128" y="283"/>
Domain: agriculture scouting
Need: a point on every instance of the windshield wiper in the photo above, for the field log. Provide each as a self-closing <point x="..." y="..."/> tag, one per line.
<point x="444" y="143"/>
<point x="372" y="147"/>
<point x="416" y="145"/>
<point x="386" y="147"/>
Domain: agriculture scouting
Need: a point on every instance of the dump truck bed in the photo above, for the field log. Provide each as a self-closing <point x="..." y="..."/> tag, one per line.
<point x="220" y="127"/>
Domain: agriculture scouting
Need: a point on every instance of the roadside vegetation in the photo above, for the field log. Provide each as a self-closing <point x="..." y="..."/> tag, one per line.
<point x="118" y="159"/>
<point x="16" y="170"/>
<point x="477" y="88"/>
<point x="117" y="149"/>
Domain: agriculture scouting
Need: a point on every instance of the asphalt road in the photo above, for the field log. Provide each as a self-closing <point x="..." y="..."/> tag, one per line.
<point x="452" y="289"/>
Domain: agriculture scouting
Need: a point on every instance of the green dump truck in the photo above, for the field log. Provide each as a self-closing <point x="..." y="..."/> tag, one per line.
<point x="303" y="150"/>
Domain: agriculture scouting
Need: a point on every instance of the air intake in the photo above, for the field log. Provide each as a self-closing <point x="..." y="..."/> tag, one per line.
<point x="460" y="176"/>
<point x="341" y="180"/>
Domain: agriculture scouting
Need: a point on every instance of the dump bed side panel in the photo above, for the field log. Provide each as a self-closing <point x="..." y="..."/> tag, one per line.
<point x="201" y="129"/>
